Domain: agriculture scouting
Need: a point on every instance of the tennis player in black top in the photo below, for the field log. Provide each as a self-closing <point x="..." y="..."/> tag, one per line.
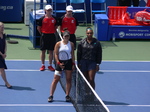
<point x="89" y="56"/>
<point x="3" y="50"/>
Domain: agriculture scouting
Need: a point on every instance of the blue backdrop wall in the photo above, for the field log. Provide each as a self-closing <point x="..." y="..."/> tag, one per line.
<point x="17" y="7"/>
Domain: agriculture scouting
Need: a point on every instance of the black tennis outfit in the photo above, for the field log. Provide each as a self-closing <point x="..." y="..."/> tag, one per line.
<point x="2" y="50"/>
<point x="89" y="51"/>
<point x="68" y="63"/>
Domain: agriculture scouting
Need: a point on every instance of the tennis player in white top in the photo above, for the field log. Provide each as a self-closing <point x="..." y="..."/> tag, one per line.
<point x="65" y="60"/>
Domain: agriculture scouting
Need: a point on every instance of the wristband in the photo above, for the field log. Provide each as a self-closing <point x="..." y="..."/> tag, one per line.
<point x="73" y="63"/>
<point x="97" y="64"/>
<point x="58" y="63"/>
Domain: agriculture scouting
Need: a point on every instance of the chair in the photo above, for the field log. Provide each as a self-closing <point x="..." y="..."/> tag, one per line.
<point x="79" y="7"/>
<point x="59" y="6"/>
<point x="97" y="6"/>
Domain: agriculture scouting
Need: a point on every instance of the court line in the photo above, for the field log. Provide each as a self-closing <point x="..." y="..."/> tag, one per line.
<point x="125" y="71"/>
<point x="131" y="105"/>
<point x="18" y="70"/>
<point x="42" y="105"/>
<point x="102" y="60"/>
<point x="134" y="71"/>
<point x="123" y="61"/>
<point x="45" y="105"/>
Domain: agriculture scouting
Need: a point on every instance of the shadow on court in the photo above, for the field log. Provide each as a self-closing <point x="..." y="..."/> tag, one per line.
<point x="20" y="88"/>
<point x="115" y="103"/>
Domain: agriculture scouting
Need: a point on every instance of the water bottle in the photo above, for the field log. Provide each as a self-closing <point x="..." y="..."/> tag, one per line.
<point x="114" y="38"/>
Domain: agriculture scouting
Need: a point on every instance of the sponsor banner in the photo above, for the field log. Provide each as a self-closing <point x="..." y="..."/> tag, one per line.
<point x="11" y="10"/>
<point x="132" y="11"/>
<point x="131" y="33"/>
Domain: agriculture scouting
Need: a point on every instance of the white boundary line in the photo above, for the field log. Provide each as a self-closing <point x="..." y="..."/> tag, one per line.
<point x="49" y="105"/>
<point x="102" y="61"/>
<point x="130" y="71"/>
<point x="21" y="60"/>
<point x="26" y="70"/>
<point x="99" y="71"/>
<point x="133" y="71"/>
<point x="42" y="105"/>
<point x="131" y="105"/>
<point x="123" y="61"/>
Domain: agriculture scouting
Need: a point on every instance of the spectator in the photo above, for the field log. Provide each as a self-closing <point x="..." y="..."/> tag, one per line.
<point x="3" y="49"/>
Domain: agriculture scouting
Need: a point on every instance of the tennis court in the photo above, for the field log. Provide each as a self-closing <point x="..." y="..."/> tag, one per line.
<point x="122" y="85"/>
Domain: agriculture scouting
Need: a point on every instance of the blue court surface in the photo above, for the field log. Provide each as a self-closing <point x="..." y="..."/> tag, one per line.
<point x="124" y="86"/>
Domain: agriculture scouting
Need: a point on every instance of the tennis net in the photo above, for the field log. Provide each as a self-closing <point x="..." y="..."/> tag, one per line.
<point x="83" y="96"/>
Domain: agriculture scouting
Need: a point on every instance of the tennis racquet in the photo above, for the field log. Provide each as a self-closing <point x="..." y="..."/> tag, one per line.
<point x="63" y="58"/>
<point x="63" y="55"/>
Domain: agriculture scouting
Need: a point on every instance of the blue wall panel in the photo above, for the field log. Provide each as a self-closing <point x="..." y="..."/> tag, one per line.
<point x="10" y="11"/>
<point x="14" y="9"/>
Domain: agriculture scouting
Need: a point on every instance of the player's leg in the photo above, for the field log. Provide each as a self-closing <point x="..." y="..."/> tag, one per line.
<point x="50" y="60"/>
<point x="84" y="68"/>
<point x="68" y="72"/>
<point x="42" y="56"/>
<point x="91" y="80"/>
<point x="54" y="84"/>
<point x="3" y="74"/>
<point x="91" y="72"/>
<point x="50" y="46"/>
<point x="68" y="81"/>
<point x="68" y="84"/>
<point x="50" y="56"/>
<point x="85" y="73"/>
<point x="57" y="75"/>
<point x="43" y="50"/>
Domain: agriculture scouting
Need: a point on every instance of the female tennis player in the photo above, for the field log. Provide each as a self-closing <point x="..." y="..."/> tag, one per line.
<point x="65" y="60"/>
<point x="3" y="55"/>
<point x="89" y="56"/>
